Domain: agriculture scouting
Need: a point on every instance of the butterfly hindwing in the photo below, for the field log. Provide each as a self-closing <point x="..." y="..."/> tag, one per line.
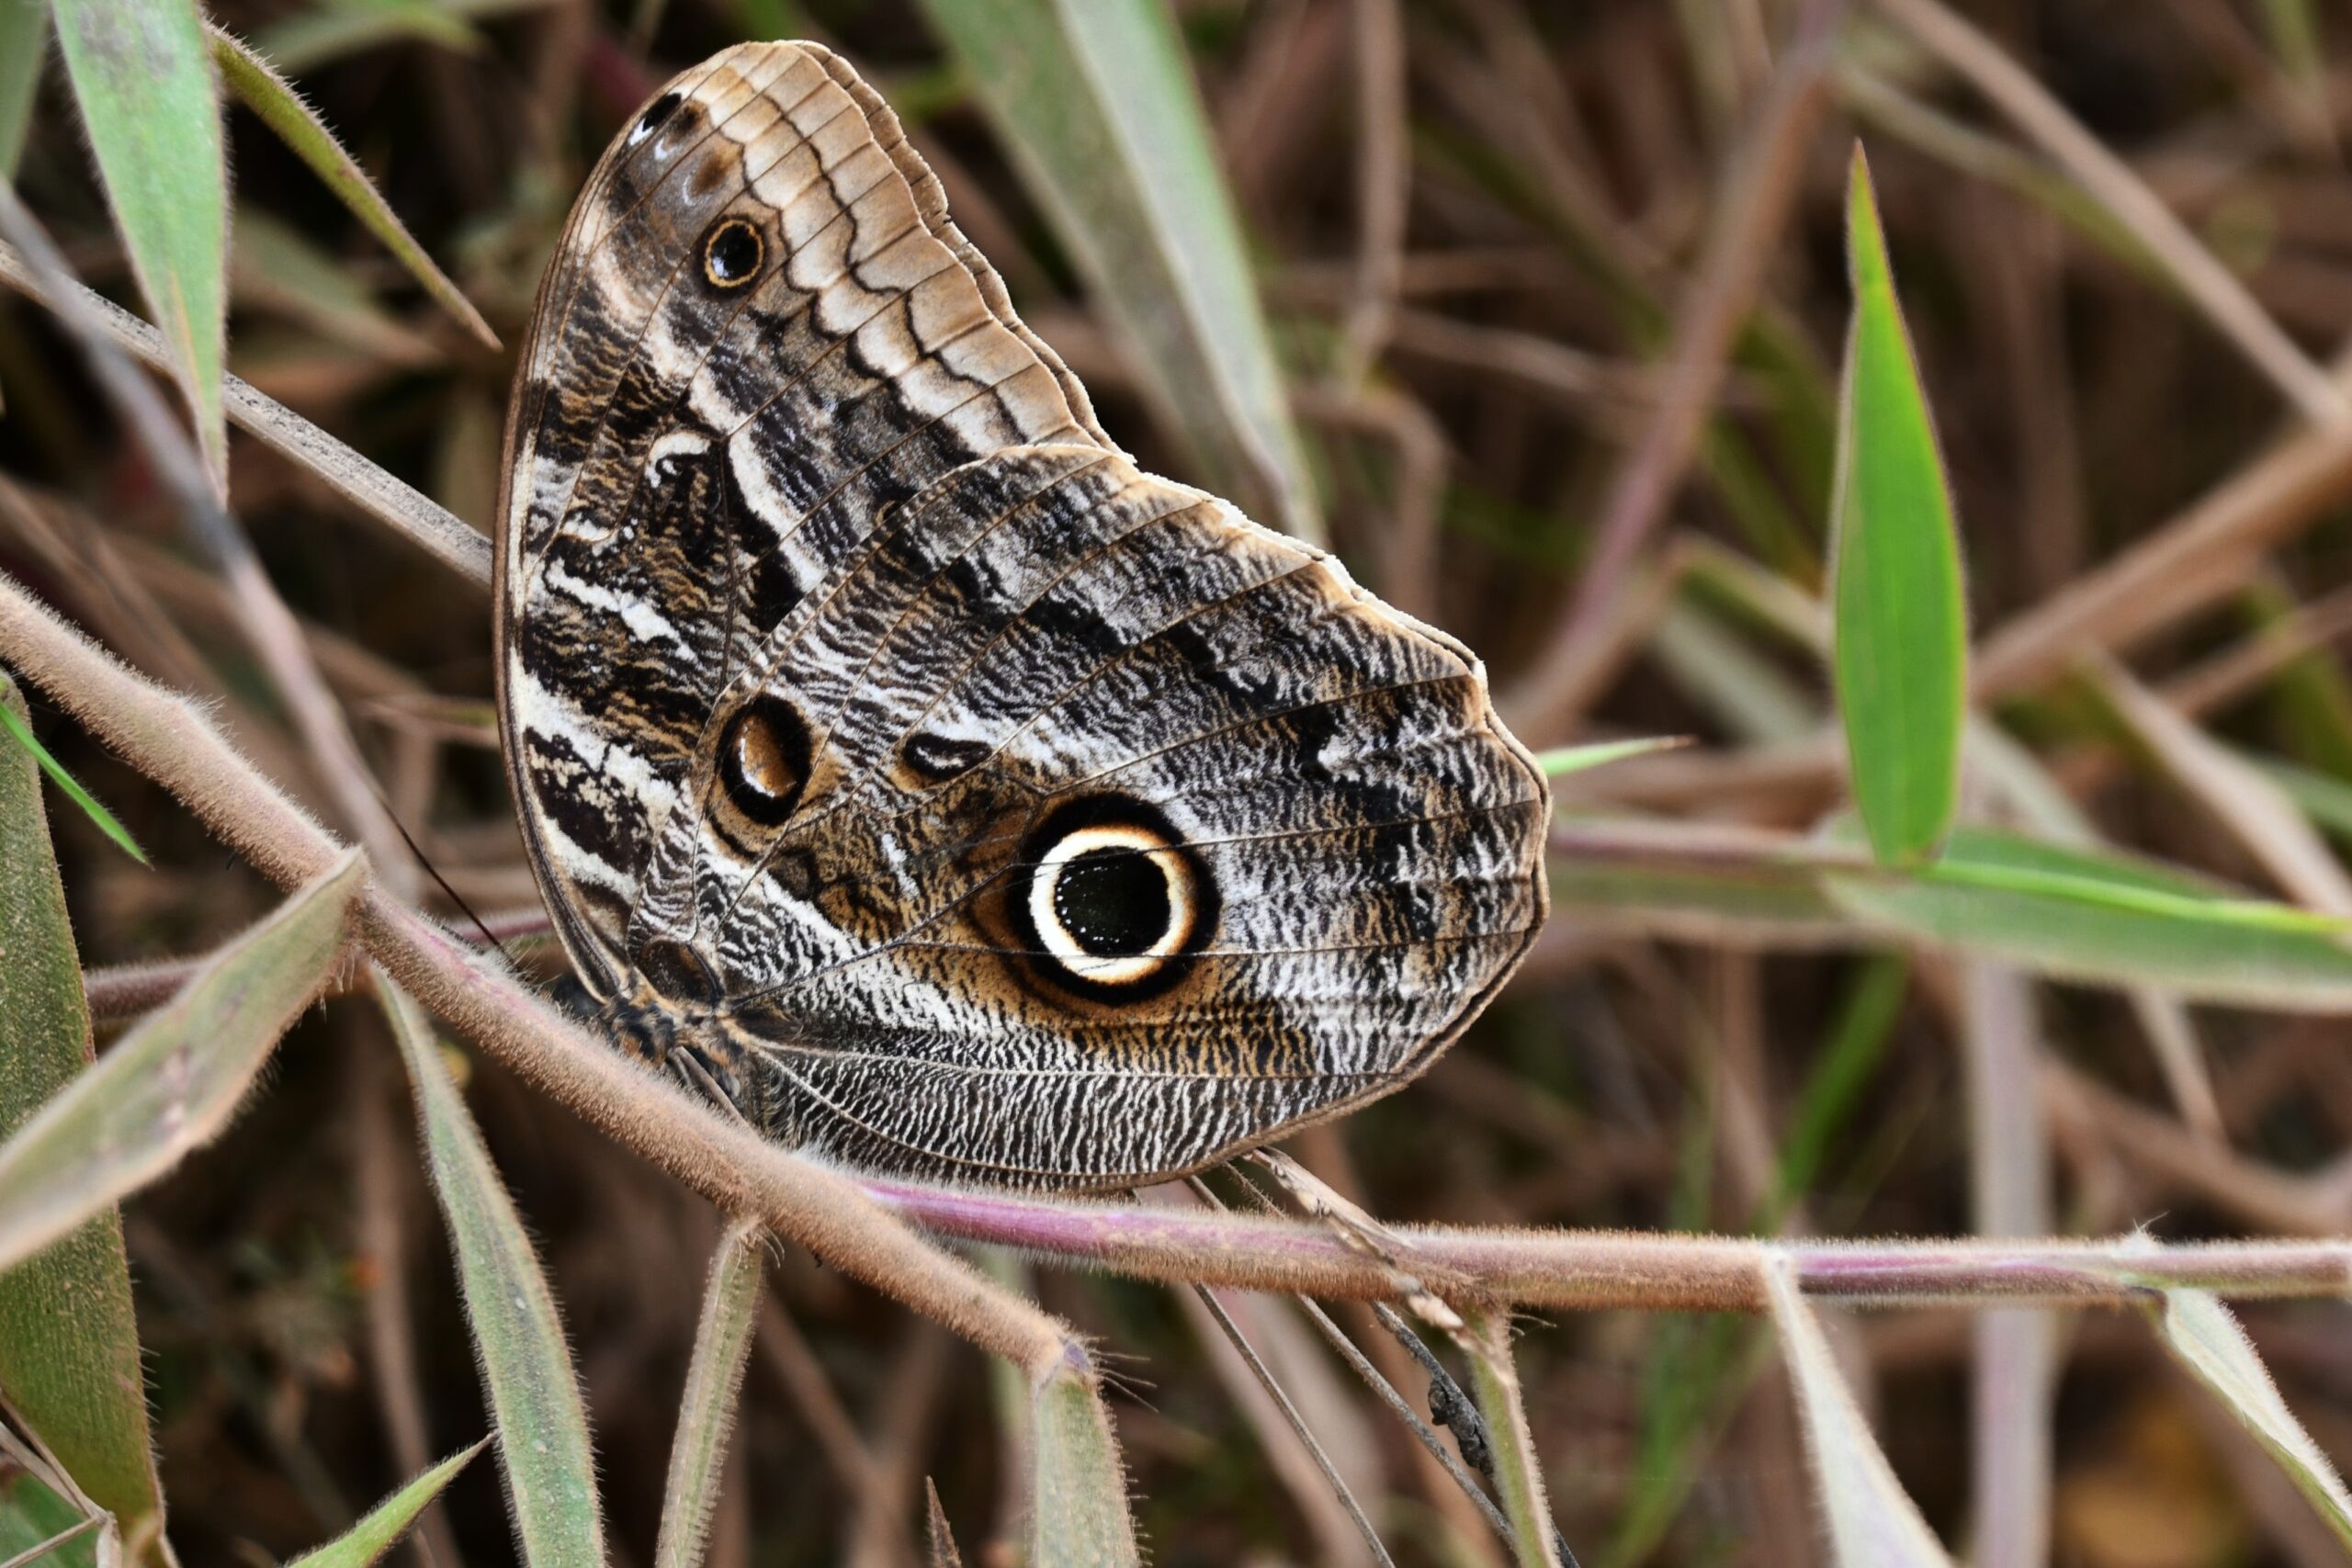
<point x="961" y="799"/>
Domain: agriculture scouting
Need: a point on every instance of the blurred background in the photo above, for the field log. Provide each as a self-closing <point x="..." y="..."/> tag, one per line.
<point x="1552" y="300"/>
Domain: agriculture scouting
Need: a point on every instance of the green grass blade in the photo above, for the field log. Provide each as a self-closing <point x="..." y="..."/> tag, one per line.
<point x="389" y="1520"/>
<point x="143" y="78"/>
<point x="261" y="90"/>
<point x="2202" y="1334"/>
<point x="336" y="29"/>
<point x="1872" y="1522"/>
<point x="525" y="1365"/>
<point x="1562" y="760"/>
<point x="21" y="732"/>
<point x="1097" y="108"/>
<point x="1518" y="1472"/>
<point x="1900" y="644"/>
<point x="24" y="49"/>
<point x="33" y="1515"/>
<point x="69" y="1345"/>
<point x="1077" y="1504"/>
<point x="730" y="1309"/>
<point x="2107" y="918"/>
<point x="173" y="1083"/>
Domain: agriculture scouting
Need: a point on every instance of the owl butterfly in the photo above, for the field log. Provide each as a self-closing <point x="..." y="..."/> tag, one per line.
<point x="902" y="765"/>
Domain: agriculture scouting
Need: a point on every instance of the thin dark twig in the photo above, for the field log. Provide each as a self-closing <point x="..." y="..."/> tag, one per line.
<point x="1296" y="1422"/>
<point x="1451" y="1406"/>
<point x="1423" y="1433"/>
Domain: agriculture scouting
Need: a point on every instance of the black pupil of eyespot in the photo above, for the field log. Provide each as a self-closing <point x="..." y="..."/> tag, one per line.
<point x="1113" y="902"/>
<point x="656" y="112"/>
<point x="763" y="760"/>
<point x="734" y="252"/>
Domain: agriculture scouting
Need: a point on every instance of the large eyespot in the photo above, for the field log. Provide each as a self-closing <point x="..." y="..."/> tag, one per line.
<point x="763" y="760"/>
<point x="732" y="253"/>
<point x="1112" y="902"/>
<point x="655" y="113"/>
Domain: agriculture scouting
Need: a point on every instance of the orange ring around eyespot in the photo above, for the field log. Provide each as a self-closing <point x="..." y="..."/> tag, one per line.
<point x="723" y="260"/>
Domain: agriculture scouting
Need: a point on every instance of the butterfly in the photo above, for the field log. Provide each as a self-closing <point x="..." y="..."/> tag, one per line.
<point x="901" y="765"/>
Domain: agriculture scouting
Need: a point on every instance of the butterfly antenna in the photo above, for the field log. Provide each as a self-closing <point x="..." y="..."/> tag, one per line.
<point x="434" y="873"/>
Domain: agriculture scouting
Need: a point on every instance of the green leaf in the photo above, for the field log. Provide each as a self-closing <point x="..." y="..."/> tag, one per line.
<point x="1078" y="1507"/>
<point x="24" y="49"/>
<point x="2203" y="1336"/>
<point x="1564" y="760"/>
<point x="1098" y="110"/>
<point x="337" y="28"/>
<point x="33" y="1515"/>
<point x="21" y="732"/>
<point x="172" y="1084"/>
<point x="259" y="86"/>
<point x="1872" y="1522"/>
<point x="389" y="1520"/>
<point x="2105" y="918"/>
<point x="141" y="74"/>
<point x="707" y="1413"/>
<point x="1518" y="1472"/>
<point x="1899" y="651"/>
<point x="69" y="1344"/>
<point x="525" y="1365"/>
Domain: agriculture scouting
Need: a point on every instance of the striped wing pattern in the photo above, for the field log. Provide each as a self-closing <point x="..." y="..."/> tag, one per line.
<point x="901" y="762"/>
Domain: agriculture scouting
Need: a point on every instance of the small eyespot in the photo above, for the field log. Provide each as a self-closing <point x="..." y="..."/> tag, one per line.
<point x="655" y="113"/>
<point x="731" y="256"/>
<point x="1114" y="903"/>
<point x="763" y="760"/>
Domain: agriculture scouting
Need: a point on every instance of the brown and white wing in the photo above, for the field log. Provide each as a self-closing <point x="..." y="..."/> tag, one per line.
<point x="758" y="332"/>
<point x="1079" y="832"/>
<point x="1003" y="811"/>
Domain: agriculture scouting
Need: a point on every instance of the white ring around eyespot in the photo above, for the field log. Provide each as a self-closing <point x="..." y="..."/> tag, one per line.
<point x="1122" y="970"/>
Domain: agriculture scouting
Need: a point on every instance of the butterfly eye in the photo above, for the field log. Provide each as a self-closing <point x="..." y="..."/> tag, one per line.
<point x="763" y="760"/>
<point x="655" y="113"/>
<point x="1115" y="905"/>
<point x="732" y="255"/>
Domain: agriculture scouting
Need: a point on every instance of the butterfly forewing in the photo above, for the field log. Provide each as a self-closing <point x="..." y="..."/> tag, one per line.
<point x="959" y="798"/>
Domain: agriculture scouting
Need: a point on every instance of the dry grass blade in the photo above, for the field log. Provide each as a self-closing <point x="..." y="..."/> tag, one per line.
<point x="69" y="1341"/>
<point x="2252" y="808"/>
<point x="707" y="1410"/>
<point x="2203" y="278"/>
<point x="526" y="1365"/>
<point x="940" y="1541"/>
<point x="2015" y="1377"/>
<point x="431" y="527"/>
<point x="1099" y="113"/>
<point x="268" y="625"/>
<point x="2207" y="1339"/>
<point x="173" y="1082"/>
<point x="1287" y="1410"/>
<point x="270" y="95"/>
<point x="1871" y="1523"/>
<point x="1756" y="203"/>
